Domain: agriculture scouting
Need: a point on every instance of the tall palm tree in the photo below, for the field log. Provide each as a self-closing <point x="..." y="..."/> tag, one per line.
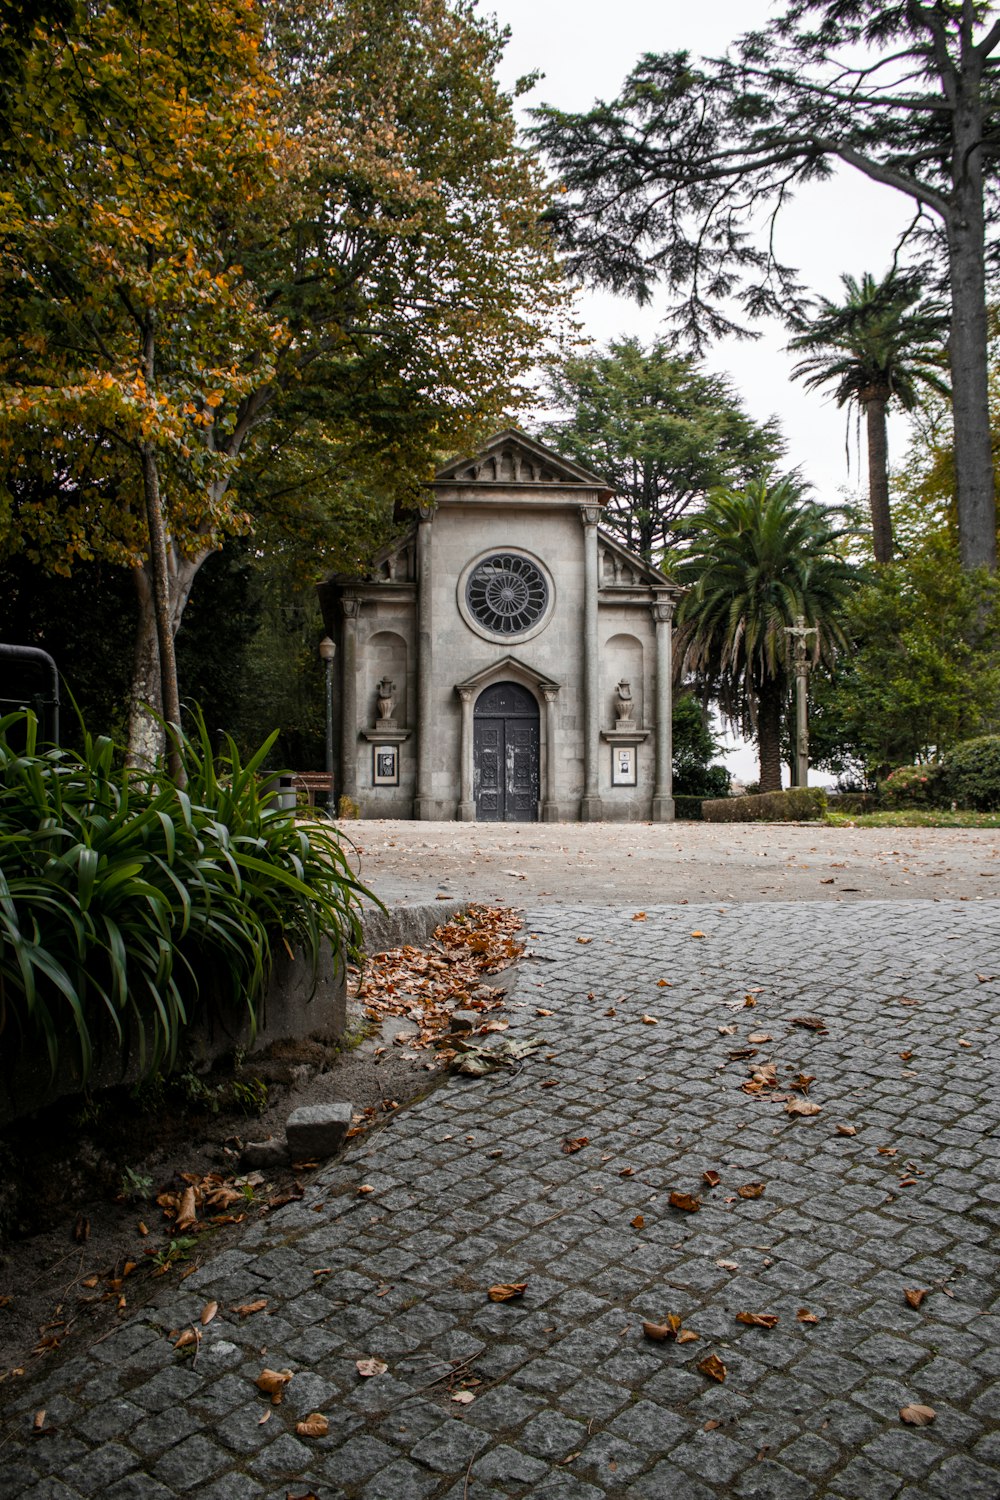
<point x="758" y="558"/>
<point x="879" y="345"/>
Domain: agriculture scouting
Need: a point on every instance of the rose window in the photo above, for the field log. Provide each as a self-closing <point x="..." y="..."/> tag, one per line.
<point x="506" y="593"/>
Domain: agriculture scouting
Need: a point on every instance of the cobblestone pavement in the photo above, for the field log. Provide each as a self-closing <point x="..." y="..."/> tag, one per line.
<point x="471" y="1186"/>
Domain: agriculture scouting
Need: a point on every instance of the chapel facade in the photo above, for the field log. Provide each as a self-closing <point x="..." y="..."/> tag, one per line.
<point x="507" y="660"/>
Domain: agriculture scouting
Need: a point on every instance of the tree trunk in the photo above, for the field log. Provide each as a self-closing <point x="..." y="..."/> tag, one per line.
<point x="159" y="576"/>
<point x="145" y="736"/>
<point x="146" y="741"/>
<point x="976" y="498"/>
<point x="878" y="476"/>
<point x="769" y="698"/>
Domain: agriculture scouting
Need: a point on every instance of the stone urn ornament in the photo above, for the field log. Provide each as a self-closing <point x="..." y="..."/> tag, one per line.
<point x="623" y="704"/>
<point x="386" y="691"/>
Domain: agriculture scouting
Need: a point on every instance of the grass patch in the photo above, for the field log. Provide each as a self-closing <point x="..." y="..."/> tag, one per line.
<point x="915" y="817"/>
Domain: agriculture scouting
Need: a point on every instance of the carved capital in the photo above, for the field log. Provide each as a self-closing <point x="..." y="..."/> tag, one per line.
<point x="465" y="693"/>
<point x="590" y="514"/>
<point x="663" y="609"/>
<point x="351" y="607"/>
<point x="425" y="510"/>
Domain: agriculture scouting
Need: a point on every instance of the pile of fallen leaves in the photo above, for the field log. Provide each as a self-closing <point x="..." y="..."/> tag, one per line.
<point x="426" y="985"/>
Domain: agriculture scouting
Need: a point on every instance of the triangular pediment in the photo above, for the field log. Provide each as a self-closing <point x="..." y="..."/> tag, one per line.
<point x="512" y="457"/>
<point x="619" y="565"/>
<point x="508" y="666"/>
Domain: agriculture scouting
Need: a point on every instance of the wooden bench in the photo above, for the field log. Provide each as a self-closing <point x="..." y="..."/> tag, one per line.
<point x="313" y="784"/>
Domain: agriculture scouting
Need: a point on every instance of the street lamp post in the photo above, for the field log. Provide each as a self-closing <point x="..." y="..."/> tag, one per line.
<point x="798" y="632"/>
<point x="328" y="650"/>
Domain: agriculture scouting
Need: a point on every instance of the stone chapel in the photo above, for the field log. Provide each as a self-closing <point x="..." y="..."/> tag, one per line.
<point x="507" y="659"/>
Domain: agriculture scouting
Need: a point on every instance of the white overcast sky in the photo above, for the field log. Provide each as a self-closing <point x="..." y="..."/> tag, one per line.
<point x="585" y="49"/>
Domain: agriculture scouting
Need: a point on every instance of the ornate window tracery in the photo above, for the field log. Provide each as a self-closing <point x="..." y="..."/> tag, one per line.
<point x="506" y="593"/>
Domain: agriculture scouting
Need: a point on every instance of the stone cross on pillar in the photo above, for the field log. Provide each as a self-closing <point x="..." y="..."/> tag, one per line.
<point x="798" y="633"/>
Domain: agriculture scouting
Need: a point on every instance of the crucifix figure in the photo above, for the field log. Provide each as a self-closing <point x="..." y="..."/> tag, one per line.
<point x="798" y="632"/>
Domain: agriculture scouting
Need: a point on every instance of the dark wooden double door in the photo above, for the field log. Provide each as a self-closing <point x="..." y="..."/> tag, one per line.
<point x="505" y="759"/>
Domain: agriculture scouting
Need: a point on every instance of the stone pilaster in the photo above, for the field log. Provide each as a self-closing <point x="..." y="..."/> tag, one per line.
<point x="425" y="734"/>
<point x="590" y="802"/>
<point x="550" y="805"/>
<point x="663" y="787"/>
<point x="467" y="804"/>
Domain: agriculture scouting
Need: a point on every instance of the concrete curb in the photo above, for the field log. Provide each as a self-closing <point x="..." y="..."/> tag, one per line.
<point x="399" y="925"/>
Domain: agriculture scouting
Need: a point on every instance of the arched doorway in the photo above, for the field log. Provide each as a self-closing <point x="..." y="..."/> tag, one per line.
<point x="505" y="738"/>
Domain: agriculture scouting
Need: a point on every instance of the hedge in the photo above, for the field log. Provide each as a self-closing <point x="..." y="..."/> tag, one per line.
<point x="799" y="804"/>
<point x="687" y="808"/>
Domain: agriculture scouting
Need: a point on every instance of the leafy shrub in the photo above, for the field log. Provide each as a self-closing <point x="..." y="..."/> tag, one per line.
<point x="852" y="803"/>
<point x="800" y="804"/>
<point x="126" y="901"/>
<point x="971" y="774"/>
<point x="912" y="786"/>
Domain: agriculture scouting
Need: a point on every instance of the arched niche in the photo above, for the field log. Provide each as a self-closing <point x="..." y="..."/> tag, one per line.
<point x="386" y="656"/>
<point x="622" y="657"/>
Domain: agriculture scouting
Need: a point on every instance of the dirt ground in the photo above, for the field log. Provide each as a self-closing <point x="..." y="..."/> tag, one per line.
<point x="646" y="864"/>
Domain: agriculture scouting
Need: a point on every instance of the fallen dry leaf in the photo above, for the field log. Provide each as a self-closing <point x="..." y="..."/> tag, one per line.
<point x="272" y="1383"/>
<point x="638" y="1222"/>
<point x="314" y="1426"/>
<point x="749" y="1002"/>
<point x="713" y="1367"/>
<point x="811" y="1023"/>
<point x="507" y="1291"/>
<point x="574" y="1143"/>
<point x="627" y="1172"/>
<point x="696" y="933"/>
<point x="711" y="1424"/>
<point x="801" y="1082"/>
<point x="658" y="1332"/>
<point x="728" y="1030"/>
<point x="687" y="1336"/>
<point x="805" y="1316"/>
<point x="464" y="1398"/>
<point x="649" y="1021"/>
<point x="639" y="916"/>
<point x="664" y="984"/>
<point x="370" y="1367"/>
<point x="39" y="1420"/>
<point x="801" y="1107"/>
<point x="917" y="1416"/>
<point x="208" y="1312"/>
<point x="584" y="940"/>
<point x="727" y="1265"/>
<point x="751" y="1190"/>
<point x="365" y="1189"/>
<point x="847" y="1130"/>
<point x="189" y="1336"/>
<point x="686" y="1201"/>
<point x="758" y="1320"/>
<point x="187" y="1212"/>
<point x="758" y="1038"/>
<point x="915" y="1295"/>
<point x="541" y="1011"/>
<point x="711" y="1178"/>
<point x="264" y="1417"/>
<point x="246" y="1308"/>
